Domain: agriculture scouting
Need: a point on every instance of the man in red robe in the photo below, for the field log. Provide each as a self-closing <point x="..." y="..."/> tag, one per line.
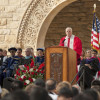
<point x="72" y="42"/>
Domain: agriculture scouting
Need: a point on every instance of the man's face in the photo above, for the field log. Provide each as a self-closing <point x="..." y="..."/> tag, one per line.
<point x="88" y="53"/>
<point x="69" y="32"/>
<point x="19" y="52"/>
<point x="94" y="54"/>
<point x="28" y="52"/>
<point x="12" y="52"/>
<point x="40" y="53"/>
<point x="4" y="53"/>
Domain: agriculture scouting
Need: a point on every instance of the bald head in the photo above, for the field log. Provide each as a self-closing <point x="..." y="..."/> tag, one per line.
<point x="50" y="84"/>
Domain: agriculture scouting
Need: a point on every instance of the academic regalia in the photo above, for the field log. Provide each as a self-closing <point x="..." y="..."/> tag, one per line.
<point x="9" y="65"/>
<point x="25" y="60"/>
<point x="1" y="60"/>
<point x="73" y="42"/>
<point x="89" y="73"/>
<point x="39" y="60"/>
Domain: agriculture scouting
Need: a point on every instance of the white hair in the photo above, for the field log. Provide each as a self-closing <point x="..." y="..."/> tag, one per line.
<point x="68" y="28"/>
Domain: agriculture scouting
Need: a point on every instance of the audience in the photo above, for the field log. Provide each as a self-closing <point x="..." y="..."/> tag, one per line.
<point x="63" y="84"/>
<point x="82" y="97"/>
<point x="78" y="87"/>
<point x="92" y="94"/>
<point x="4" y="92"/>
<point x="96" y="85"/>
<point x="16" y="85"/>
<point x="17" y="95"/>
<point x="65" y="94"/>
<point x="40" y="82"/>
<point x="51" y="88"/>
<point x="30" y="88"/>
<point x="39" y="93"/>
<point x="75" y="91"/>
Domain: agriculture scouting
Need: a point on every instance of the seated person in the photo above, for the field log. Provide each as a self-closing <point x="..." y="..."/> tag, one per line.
<point x="27" y="59"/>
<point x="90" y="66"/>
<point x="10" y="64"/>
<point x="40" y="58"/>
<point x="1" y="57"/>
<point x="19" y="53"/>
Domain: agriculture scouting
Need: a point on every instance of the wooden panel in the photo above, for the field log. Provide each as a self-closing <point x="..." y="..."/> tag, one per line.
<point x="56" y="66"/>
<point x="65" y="64"/>
<point x="72" y="64"/>
<point x="60" y="63"/>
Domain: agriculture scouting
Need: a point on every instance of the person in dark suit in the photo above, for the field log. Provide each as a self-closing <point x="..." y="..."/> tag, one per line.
<point x="9" y="65"/>
<point x="40" y="58"/>
<point x="90" y="66"/>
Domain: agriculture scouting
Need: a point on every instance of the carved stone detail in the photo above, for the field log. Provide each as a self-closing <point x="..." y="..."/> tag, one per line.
<point x="33" y="19"/>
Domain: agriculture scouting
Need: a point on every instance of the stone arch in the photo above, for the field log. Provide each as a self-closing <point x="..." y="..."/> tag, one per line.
<point x="36" y="21"/>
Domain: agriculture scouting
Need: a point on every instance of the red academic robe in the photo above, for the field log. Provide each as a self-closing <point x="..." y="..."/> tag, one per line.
<point x="74" y="43"/>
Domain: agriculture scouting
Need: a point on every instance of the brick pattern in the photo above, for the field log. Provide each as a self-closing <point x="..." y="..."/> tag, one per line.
<point x="79" y="16"/>
<point x="11" y="14"/>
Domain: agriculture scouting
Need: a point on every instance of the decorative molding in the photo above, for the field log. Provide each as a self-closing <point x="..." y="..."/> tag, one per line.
<point x="33" y="19"/>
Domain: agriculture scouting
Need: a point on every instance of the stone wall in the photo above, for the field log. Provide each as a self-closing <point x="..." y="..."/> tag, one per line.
<point x="79" y="16"/>
<point x="11" y="14"/>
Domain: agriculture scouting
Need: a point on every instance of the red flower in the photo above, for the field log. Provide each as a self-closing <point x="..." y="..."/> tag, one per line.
<point x="35" y="73"/>
<point x="32" y="73"/>
<point x="42" y="72"/>
<point x="24" y="77"/>
<point x="17" y="73"/>
<point x="41" y="66"/>
<point x="21" y="79"/>
<point x="25" y="65"/>
<point x="28" y="68"/>
<point x="31" y="80"/>
<point x="32" y="63"/>
<point x="15" y="77"/>
<point x="25" y="83"/>
<point x="34" y="69"/>
<point x="24" y="71"/>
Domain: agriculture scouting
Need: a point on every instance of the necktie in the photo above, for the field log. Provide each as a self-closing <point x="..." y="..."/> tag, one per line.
<point x="68" y="41"/>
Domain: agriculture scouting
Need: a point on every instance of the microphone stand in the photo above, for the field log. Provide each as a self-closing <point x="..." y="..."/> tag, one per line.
<point x="81" y="76"/>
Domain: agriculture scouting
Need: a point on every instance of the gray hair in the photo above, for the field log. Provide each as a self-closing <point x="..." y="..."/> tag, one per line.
<point x="68" y="28"/>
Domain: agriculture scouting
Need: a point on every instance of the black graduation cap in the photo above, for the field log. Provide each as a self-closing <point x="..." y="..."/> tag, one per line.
<point x="12" y="48"/>
<point x="40" y="49"/>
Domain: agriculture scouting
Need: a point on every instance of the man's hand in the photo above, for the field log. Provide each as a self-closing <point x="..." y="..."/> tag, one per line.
<point x="5" y="70"/>
<point x="88" y="66"/>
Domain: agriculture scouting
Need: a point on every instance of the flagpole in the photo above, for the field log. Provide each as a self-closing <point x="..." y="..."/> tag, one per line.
<point x="94" y="7"/>
<point x="95" y="20"/>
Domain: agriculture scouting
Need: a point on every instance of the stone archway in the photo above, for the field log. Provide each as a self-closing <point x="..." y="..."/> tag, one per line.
<point x="36" y="21"/>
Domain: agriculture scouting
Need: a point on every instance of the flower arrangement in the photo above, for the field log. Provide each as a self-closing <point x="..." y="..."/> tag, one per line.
<point x="29" y="73"/>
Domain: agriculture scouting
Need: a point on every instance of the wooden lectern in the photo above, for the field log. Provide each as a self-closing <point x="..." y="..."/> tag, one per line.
<point x="60" y="63"/>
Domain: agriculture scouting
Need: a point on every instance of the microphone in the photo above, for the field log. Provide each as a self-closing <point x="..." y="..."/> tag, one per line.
<point x="63" y="41"/>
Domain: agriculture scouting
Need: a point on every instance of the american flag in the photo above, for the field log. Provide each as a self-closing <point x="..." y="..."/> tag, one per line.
<point x="95" y="36"/>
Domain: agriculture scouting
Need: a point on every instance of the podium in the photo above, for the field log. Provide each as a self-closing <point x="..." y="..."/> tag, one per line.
<point x="60" y="63"/>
